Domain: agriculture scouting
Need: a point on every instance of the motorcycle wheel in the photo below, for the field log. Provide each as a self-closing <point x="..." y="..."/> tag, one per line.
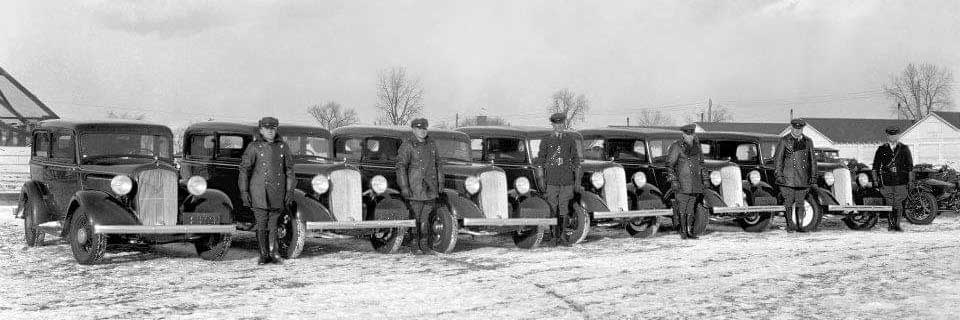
<point x="921" y="208"/>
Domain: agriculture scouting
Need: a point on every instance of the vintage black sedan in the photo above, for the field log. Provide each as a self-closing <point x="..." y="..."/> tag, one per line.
<point x="475" y="197"/>
<point x="329" y="195"/>
<point x="514" y="149"/>
<point x="100" y="183"/>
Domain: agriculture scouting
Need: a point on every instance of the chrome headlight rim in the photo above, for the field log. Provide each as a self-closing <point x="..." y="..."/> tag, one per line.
<point x="522" y="185"/>
<point x="596" y="179"/>
<point x="829" y="178"/>
<point x="639" y="179"/>
<point x="121" y="184"/>
<point x="472" y="184"/>
<point x="715" y="178"/>
<point x="197" y="185"/>
<point x="864" y="180"/>
<point x="754" y="177"/>
<point x="378" y="184"/>
<point x="320" y="183"/>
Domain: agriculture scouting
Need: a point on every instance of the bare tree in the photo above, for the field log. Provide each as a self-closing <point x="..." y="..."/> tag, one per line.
<point x="653" y="118"/>
<point x="126" y="115"/>
<point x="711" y="113"/>
<point x="573" y="105"/>
<point x="332" y="115"/>
<point x="399" y="97"/>
<point x="920" y="89"/>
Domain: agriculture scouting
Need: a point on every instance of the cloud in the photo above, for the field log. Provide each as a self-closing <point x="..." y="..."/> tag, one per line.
<point x="163" y="18"/>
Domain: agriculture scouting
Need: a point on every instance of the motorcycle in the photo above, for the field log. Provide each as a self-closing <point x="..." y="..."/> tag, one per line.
<point x="933" y="190"/>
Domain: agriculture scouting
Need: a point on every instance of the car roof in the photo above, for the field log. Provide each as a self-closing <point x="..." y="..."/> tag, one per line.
<point x="251" y="127"/>
<point x="714" y="135"/>
<point x="626" y="132"/>
<point x="524" y="132"/>
<point x="397" y="132"/>
<point x="112" y="125"/>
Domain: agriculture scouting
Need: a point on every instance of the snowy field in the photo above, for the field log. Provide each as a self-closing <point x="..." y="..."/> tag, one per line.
<point x="831" y="274"/>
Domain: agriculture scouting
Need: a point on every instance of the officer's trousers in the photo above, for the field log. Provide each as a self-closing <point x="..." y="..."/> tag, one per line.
<point x="793" y="199"/>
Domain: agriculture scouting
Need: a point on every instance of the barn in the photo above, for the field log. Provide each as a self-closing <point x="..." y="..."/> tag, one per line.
<point x="935" y="139"/>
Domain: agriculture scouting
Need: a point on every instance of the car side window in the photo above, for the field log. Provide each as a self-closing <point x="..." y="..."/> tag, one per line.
<point x="63" y="148"/>
<point x="201" y="146"/>
<point x="476" y="149"/>
<point x="41" y="147"/>
<point x="348" y="149"/>
<point x="231" y="146"/>
<point x="657" y="151"/>
<point x="381" y="149"/>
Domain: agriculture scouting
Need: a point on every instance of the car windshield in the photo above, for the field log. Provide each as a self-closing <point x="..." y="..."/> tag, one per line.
<point x="453" y="149"/>
<point x="734" y="151"/>
<point x="658" y="149"/>
<point x="508" y="150"/>
<point x="768" y="149"/>
<point x="616" y="149"/>
<point x="305" y="147"/>
<point x="98" y="148"/>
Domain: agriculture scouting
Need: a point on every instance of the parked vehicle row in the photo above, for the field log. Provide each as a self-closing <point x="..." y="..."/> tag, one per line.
<point x="104" y="183"/>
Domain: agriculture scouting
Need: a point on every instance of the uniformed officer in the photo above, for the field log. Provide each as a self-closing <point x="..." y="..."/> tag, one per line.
<point x="420" y="177"/>
<point x="266" y="180"/>
<point x="893" y="164"/>
<point x="795" y="171"/>
<point x="687" y="178"/>
<point x="560" y="160"/>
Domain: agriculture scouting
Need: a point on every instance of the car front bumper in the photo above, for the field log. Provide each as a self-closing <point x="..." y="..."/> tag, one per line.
<point x="852" y="209"/>
<point x="370" y="224"/>
<point x="747" y="209"/>
<point x="510" y="222"/>
<point x="633" y="213"/>
<point x="172" y="229"/>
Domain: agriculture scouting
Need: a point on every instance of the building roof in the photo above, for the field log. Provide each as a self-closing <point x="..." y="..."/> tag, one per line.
<point x="18" y="105"/>
<point x="953" y="118"/>
<point x="757" y="127"/>
<point x="852" y="130"/>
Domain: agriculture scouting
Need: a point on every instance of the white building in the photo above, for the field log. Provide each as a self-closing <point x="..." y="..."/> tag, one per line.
<point x="935" y="139"/>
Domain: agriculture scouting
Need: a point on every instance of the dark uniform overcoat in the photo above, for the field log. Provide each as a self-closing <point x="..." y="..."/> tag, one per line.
<point x="266" y="173"/>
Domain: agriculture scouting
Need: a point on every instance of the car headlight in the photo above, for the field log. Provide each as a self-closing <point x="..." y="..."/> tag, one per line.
<point x="320" y="184"/>
<point x="121" y="184"/>
<point x="597" y="180"/>
<point x="378" y="184"/>
<point x="754" y="177"/>
<point x="196" y="185"/>
<point x="828" y="178"/>
<point x="472" y="184"/>
<point x="522" y="185"/>
<point x="639" y="179"/>
<point x="863" y="180"/>
<point x="715" y="178"/>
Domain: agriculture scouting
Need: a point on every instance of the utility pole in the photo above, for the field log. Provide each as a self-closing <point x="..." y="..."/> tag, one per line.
<point x="791" y="113"/>
<point x="628" y="121"/>
<point x="701" y="117"/>
<point x="709" y="110"/>
<point x="456" y="121"/>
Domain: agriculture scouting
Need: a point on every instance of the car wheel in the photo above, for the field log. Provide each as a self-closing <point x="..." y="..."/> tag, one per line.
<point x="755" y="222"/>
<point x="642" y="227"/>
<point x="920" y="208"/>
<point x="213" y="246"/>
<point x="529" y="238"/>
<point x="87" y="247"/>
<point x="443" y="231"/>
<point x="812" y="215"/>
<point x="32" y="235"/>
<point x="861" y="220"/>
<point x="388" y="240"/>
<point x="575" y="226"/>
<point x="292" y="233"/>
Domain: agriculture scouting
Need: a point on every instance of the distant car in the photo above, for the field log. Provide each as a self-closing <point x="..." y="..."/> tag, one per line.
<point x="329" y="195"/>
<point x="604" y="183"/>
<point x="100" y="183"/>
<point x="476" y="196"/>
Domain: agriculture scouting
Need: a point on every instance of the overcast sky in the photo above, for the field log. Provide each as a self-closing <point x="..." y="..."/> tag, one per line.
<point x="239" y="60"/>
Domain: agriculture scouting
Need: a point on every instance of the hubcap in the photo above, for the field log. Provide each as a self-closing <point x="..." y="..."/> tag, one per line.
<point x="82" y="235"/>
<point x="437" y="226"/>
<point x="807" y="214"/>
<point x="752" y="218"/>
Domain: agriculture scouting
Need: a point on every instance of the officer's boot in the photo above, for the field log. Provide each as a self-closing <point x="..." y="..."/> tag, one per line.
<point x="264" y="247"/>
<point x="894" y="220"/>
<point x="678" y="223"/>
<point x="691" y="222"/>
<point x="275" y="250"/>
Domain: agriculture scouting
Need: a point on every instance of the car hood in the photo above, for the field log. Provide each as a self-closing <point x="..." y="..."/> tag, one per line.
<point x="320" y="168"/>
<point x="715" y="164"/>
<point x="127" y="169"/>
<point x="462" y="168"/>
<point x="596" y="166"/>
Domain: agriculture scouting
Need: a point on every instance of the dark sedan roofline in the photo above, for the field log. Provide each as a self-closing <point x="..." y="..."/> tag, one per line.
<point x="625" y="132"/>
<point x="738" y="135"/>
<point x="524" y="132"/>
<point x="106" y="126"/>
<point x="397" y="132"/>
<point x="251" y="127"/>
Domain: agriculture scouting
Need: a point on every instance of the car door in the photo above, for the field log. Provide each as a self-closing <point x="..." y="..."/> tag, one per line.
<point x="63" y="173"/>
<point x="380" y="158"/>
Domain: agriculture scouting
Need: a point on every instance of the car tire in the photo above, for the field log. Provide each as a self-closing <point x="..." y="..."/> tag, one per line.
<point x="388" y="240"/>
<point x="88" y="247"/>
<point x="643" y="227"/>
<point x="32" y="234"/>
<point x="701" y="218"/>
<point x="920" y="208"/>
<point x="757" y="223"/>
<point x="444" y="231"/>
<point x="862" y="220"/>
<point x="812" y="215"/>
<point x="213" y="247"/>
<point x="292" y="233"/>
<point x="529" y="238"/>
<point x="575" y="226"/>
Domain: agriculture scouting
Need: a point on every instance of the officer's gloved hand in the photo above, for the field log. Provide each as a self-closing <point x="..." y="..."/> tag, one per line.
<point x="245" y="199"/>
<point x="781" y="181"/>
<point x="813" y="182"/>
<point x="405" y="193"/>
<point x="288" y="199"/>
<point x="706" y="183"/>
<point x="675" y="185"/>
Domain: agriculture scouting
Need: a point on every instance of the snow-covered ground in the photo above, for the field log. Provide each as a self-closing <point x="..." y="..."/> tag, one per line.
<point x="834" y="273"/>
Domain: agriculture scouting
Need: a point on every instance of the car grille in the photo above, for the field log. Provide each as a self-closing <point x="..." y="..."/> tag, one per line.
<point x="345" y="195"/>
<point x="731" y="187"/>
<point x="157" y="197"/>
<point x="493" y="194"/>
<point x="842" y="186"/>
<point x="615" y="188"/>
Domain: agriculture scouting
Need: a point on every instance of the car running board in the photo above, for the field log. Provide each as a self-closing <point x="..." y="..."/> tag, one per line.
<point x="748" y="209"/>
<point x="509" y="222"/>
<point x="373" y="224"/>
<point x="858" y="208"/>
<point x="633" y="214"/>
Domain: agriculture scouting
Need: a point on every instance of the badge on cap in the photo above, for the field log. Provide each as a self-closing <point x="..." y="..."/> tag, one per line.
<point x="688" y="129"/>
<point x="268" y="122"/>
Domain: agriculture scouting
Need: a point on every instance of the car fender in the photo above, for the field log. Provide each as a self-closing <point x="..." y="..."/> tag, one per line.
<point x="309" y="209"/>
<point x="824" y="197"/>
<point x="211" y="201"/>
<point x="712" y="199"/>
<point x="459" y="206"/>
<point x="36" y="191"/>
<point x="387" y="207"/>
<point x="530" y="207"/>
<point x="592" y="202"/>
<point x="101" y="208"/>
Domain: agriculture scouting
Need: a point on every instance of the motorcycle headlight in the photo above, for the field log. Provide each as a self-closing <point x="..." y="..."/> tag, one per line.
<point x="828" y="178"/>
<point x="522" y="185"/>
<point x="754" y="177"/>
<point x="597" y="180"/>
<point x="472" y="184"/>
<point x="121" y="184"/>
<point x="863" y="180"/>
<point x="378" y="184"/>
<point x="320" y="184"/>
<point x="715" y="178"/>
<point x="196" y="185"/>
<point x="639" y="179"/>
